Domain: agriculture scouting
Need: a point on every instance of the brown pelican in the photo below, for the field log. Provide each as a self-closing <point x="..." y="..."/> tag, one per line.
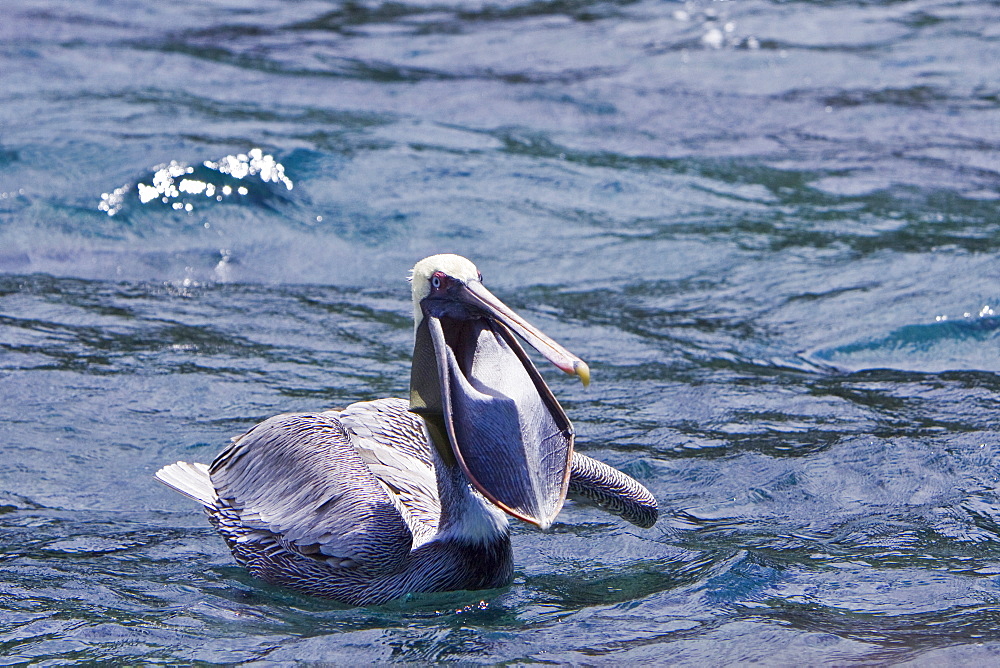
<point x="392" y="496"/>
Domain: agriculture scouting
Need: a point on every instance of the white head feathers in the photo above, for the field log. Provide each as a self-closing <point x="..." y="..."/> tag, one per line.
<point x="455" y="266"/>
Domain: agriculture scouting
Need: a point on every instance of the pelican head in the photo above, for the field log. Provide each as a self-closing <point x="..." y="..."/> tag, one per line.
<point x="486" y="406"/>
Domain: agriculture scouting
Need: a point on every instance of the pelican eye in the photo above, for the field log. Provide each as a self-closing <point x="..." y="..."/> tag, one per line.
<point x="436" y="282"/>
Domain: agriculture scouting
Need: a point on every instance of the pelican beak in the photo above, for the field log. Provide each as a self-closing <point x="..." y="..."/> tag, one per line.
<point x="506" y="429"/>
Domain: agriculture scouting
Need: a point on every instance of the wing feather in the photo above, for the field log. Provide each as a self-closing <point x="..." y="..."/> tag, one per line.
<point x="393" y="442"/>
<point x="300" y="477"/>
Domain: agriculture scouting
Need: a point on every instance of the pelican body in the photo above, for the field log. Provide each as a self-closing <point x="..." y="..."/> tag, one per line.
<point x="394" y="496"/>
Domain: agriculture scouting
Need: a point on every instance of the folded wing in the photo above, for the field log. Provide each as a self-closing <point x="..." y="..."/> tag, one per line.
<point x="301" y="478"/>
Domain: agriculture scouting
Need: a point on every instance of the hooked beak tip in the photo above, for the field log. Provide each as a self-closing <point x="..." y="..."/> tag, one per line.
<point x="581" y="369"/>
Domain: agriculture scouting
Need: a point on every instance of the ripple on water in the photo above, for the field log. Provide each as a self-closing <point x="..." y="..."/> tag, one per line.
<point x="745" y="216"/>
<point x="966" y="343"/>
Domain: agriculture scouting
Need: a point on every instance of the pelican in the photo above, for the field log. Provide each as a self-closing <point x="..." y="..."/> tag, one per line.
<point x="394" y="496"/>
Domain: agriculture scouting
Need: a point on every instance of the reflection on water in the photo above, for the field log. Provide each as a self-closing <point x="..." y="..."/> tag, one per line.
<point x="748" y="217"/>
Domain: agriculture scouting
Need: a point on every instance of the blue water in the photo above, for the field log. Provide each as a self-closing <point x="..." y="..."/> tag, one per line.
<point x="771" y="228"/>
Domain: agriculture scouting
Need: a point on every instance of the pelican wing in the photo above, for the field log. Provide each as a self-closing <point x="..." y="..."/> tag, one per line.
<point x="301" y="478"/>
<point x="394" y="444"/>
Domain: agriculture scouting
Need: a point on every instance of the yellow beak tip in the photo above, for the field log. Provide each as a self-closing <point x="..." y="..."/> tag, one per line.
<point x="583" y="371"/>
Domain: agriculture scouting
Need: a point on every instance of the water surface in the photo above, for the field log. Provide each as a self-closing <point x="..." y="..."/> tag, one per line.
<point x="771" y="228"/>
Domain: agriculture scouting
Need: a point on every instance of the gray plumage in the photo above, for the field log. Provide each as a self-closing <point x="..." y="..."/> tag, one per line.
<point x="612" y="490"/>
<point x="348" y="506"/>
<point x="392" y="496"/>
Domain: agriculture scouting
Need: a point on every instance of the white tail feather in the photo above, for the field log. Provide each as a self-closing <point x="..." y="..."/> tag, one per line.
<point x="191" y="480"/>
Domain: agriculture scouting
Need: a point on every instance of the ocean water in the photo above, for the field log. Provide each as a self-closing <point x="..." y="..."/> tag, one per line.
<point x="771" y="228"/>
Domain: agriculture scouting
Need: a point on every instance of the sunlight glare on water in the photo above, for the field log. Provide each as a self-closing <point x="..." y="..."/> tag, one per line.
<point x="171" y="182"/>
